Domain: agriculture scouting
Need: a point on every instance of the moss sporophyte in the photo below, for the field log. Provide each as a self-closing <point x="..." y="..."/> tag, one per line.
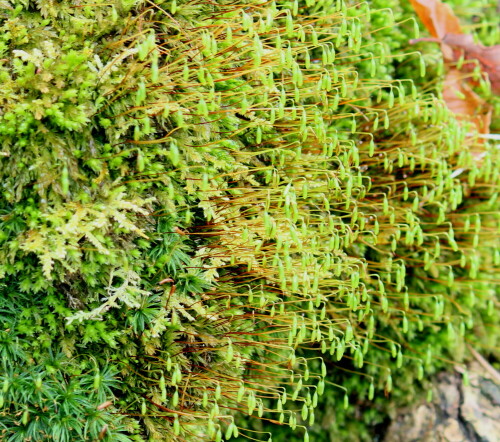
<point x="227" y="219"/>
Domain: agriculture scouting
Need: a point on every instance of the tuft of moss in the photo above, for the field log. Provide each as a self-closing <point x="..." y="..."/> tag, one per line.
<point x="212" y="213"/>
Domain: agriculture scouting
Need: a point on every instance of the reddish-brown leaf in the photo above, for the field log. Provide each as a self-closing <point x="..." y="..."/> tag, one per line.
<point x="104" y="405"/>
<point x="103" y="432"/>
<point x="437" y="17"/>
<point x="487" y="56"/>
<point x="466" y="104"/>
<point x="445" y="28"/>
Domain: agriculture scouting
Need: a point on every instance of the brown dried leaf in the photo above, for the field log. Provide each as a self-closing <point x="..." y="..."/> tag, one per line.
<point x="444" y="26"/>
<point x="179" y="231"/>
<point x="487" y="56"/>
<point x="103" y="432"/>
<point x="459" y="97"/>
<point x="466" y="104"/>
<point x="104" y="405"/>
<point x="437" y="17"/>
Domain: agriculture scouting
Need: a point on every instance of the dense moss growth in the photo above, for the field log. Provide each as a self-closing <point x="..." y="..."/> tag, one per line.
<point x="213" y="212"/>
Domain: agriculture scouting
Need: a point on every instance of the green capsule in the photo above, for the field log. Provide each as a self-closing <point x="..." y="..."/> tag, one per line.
<point x="202" y="107"/>
<point x="420" y="372"/>
<point x="340" y="350"/>
<point x="97" y="381"/>
<point x="358" y="358"/>
<point x="321" y="387"/>
<point x="284" y="397"/>
<point x="348" y="333"/>
<point x="258" y="136"/>
<point x="399" y="359"/>
<point x="174" y="153"/>
<point x="366" y="346"/>
<point x="422" y="66"/>
<point x="384" y="304"/>
<point x="25" y="418"/>
<point x="405" y="324"/>
<point x="210" y="428"/>
<point x="140" y="161"/>
<point x="65" y="180"/>
<point x="251" y="403"/>
<point x="279" y="406"/>
<point x="371" y="391"/>
<point x="305" y="411"/>
<point x="289" y="23"/>
<point x="175" y="398"/>
<point x="140" y="94"/>
<point x="241" y="393"/>
<point x="114" y="14"/>
<point x="371" y="326"/>
<point x="371" y="148"/>
<point x="393" y="348"/>
<point x="154" y="68"/>
<point x="201" y="76"/>
<point x="388" y="384"/>
<point x="323" y="369"/>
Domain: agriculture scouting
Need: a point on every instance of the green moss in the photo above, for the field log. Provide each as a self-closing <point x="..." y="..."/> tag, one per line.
<point x="212" y="213"/>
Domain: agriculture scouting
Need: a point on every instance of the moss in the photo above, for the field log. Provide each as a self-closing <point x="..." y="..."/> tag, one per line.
<point x="212" y="213"/>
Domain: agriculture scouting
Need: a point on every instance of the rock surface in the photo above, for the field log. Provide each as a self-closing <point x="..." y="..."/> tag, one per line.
<point x="459" y="413"/>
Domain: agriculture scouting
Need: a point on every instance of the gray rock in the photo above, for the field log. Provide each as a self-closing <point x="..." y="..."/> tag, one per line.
<point x="459" y="413"/>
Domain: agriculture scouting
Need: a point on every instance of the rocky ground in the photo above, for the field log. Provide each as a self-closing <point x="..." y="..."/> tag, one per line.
<point x="459" y="413"/>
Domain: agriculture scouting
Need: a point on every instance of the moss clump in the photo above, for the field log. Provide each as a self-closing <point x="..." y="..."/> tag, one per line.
<point x="212" y="210"/>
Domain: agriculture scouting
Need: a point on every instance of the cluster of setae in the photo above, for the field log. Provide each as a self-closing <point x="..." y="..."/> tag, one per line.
<point x="213" y="212"/>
